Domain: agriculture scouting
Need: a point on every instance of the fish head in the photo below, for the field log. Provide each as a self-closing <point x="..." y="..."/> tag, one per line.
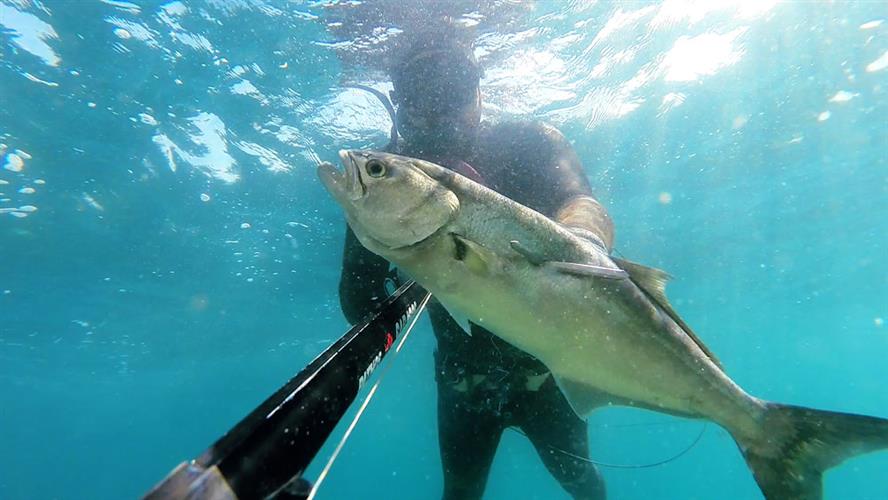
<point x="390" y="201"/>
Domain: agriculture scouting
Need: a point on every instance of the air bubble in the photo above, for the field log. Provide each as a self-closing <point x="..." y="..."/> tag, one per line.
<point x="14" y="163"/>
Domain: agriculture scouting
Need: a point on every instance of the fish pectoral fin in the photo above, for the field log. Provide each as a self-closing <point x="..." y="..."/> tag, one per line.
<point x="589" y="270"/>
<point x="584" y="399"/>
<point x="476" y="257"/>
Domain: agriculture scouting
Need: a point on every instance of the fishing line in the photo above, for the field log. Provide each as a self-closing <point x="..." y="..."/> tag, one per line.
<point x="626" y="466"/>
<point x="632" y="466"/>
<point x="635" y="424"/>
<point x="366" y="401"/>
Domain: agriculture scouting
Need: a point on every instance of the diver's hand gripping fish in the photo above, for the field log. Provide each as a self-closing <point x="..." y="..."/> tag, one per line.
<point x="603" y="326"/>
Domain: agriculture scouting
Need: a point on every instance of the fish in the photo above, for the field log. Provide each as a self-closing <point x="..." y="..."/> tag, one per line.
<point x="603" y="326"/>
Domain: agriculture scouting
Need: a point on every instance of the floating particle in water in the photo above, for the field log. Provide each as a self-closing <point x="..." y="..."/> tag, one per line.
<point x="3" y="183"/>
<point x="27" y="208"/>
<point x="147" y="119"/>
<point x="123" y="34"/>
<point x="23" y="154"/>
<point x="14" y="163"/>
<point x="74" y="72"/>
<point x="879" y="64"/>
<point x="34" y="79"/>
<point x="294" y="224"/>
<point x="245" y="225"/>
<point x="91" y="104"/>
<point x="665" y="198"/>
<point x="739" y="122"/>
<point x="797" y="139"/>
<point x="204" y="197"/>
<point x="20" y="215"/>
<point x="7" y="292"/>
<point x="878" y="322"/>
<point x="843" y="96"/>
<point x="27" y="190"/>
<point x="199" y="302"/>
<point x="177" y="81"/>
<point x="40" y="181"/>
<point x="92" y="202"/>
<point x="872" y="24"/>
<point x="283" y="66"/>
<point x="822" y="117"/>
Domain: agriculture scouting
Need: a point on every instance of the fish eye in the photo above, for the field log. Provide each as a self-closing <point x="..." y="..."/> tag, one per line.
<point x="375" y="168"/>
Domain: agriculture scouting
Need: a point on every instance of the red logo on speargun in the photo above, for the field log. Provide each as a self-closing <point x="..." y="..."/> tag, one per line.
<point x="389" y="340"/>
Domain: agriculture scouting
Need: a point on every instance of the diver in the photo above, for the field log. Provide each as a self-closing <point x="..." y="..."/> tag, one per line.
<point x="484" y="384"/>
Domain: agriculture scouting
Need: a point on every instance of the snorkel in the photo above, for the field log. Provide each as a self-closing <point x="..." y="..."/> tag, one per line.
<point x="435" y="102"/>
<point x="387" y="103"/>
<point x="393" y="146"/>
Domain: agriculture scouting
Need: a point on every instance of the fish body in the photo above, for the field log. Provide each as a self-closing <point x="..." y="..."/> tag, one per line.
<point x="597" y="334"/>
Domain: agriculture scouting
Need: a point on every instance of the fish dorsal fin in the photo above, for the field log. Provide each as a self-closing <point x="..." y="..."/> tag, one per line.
<point x="651" y="280"/>
<point x="589" y="270"/>
<point x="653" y="283"/>
<point x="572" y="268"/>
<point x="534" y="258"/>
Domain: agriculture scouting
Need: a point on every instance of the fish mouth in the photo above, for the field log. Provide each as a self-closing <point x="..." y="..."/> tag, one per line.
<point x="345" y="186"/>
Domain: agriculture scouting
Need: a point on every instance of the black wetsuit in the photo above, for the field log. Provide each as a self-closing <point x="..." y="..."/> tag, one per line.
<point x="485" y="385"/>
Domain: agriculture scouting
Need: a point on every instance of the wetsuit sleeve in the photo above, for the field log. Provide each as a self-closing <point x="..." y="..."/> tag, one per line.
<point x="362" y="283"/>
<point x="563" y="187"/>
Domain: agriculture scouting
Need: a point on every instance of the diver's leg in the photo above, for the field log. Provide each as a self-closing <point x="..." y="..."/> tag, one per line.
<point x="553" y="428"/>
<point x="468" y="440"/>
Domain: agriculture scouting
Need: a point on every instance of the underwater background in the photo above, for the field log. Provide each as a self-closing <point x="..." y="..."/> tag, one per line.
<point x="168" y="257"/>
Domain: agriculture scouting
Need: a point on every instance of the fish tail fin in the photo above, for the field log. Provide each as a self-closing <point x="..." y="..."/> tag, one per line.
<point x="797" y="445"/>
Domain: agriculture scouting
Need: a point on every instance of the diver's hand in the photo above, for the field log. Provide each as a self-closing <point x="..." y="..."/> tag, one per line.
<point x="588" y="236"/>
<point x="586" y="218"/>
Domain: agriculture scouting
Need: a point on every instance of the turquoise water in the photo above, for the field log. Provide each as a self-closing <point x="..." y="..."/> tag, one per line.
<point x="168" y="257"/>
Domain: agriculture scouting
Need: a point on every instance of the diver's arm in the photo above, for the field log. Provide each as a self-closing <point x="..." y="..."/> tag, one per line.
<point x="583" y="213"/>
<point x="362" y="283"/>
<point x="564" y="181"/>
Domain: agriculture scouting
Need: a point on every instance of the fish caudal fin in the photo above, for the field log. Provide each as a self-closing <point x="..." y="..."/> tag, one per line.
<point x="797" y="445"/>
